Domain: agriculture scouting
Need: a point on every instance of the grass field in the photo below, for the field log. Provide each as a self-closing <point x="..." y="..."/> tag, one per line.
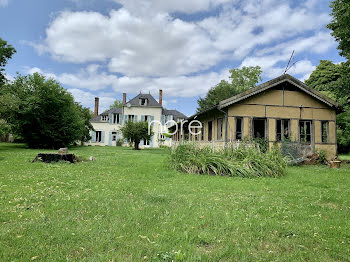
<point x="345" y="156"/>
<point x="129" y="206"/>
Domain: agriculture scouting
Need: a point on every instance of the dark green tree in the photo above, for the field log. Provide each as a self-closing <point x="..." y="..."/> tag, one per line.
<point x="86" y="115"/>
<point x="333" y="80"/>
<point x="343" y="132"/>
<point x="42" y="112"/>
<point x="4" y="128"/>
<point x="240" y="80"/>
<point x="340" y="25"/>
<point x="135" y="132"/>
<point x="117" y="104"/>
<point x="6" y="52"/>
<point x="326" y="72"/>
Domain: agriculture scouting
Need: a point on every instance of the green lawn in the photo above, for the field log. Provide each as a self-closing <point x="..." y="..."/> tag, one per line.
<point x="345" y="156"/>
<point x="128" y="206"/>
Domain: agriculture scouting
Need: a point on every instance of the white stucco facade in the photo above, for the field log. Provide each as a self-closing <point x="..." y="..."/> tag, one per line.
<point x="108" y="125"/>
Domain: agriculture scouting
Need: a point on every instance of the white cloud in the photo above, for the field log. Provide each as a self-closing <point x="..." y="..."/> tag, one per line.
<point x="4" y="3"/>
<point x="269" y="65"/>
<point x="9" y="77"/>
<point x="178" y="86"/>
<point x="138" y="45"/>
<point x="269" y="58"/>
<point x="169" y="6"/>
<point x="88" y="99"/>
<point x="38" y="70"/>
<point x="318" y="43"/>
<point x="157" y="46"/>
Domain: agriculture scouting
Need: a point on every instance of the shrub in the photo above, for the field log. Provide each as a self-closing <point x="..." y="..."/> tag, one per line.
<point x="243" y="161"/>
<point x="262" y="143"/>
<point x="322" y="156"/>
<point x="119" y="142"/>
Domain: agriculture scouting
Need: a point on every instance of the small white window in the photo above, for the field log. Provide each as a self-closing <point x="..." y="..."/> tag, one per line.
<point x="105" y="118"/>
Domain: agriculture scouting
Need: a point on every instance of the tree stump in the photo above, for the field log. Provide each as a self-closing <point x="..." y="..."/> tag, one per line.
<point x="48" y="158"/>
<point x="335" y="164"/>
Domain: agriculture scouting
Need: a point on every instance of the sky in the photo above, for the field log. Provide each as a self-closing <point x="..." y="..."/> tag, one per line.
<point x="106" y="47"/>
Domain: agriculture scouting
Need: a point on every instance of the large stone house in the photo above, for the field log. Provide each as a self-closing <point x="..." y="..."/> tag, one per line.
<point x="143" y="107"/>
<point x="283" y="108"/>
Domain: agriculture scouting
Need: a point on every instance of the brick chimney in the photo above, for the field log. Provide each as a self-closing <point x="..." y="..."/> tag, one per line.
<point x="161" y="97"/>
<point x="97" y="100"/>
<point x="124" y="98"/>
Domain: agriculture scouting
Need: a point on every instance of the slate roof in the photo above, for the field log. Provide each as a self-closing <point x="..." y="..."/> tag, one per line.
<point x="112" y="111"/>
<point x="151" y="101"/>
<point x="174" y="113"/>
<point x="97" y="119"/>
<point x="136" y="102"/>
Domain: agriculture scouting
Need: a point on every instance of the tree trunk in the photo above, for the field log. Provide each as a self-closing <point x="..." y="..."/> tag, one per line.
<point x="137" y="145"/>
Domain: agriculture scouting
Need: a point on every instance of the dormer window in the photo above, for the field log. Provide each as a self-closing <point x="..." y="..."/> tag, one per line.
<point x="143" y="101"/>
<point x="105" y="118"/>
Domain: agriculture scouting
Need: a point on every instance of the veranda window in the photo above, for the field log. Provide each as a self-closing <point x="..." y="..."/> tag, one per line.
<point x="305" y="132"/>
<point x="219" y="128"/>
<point x="282" y="129"/>
<point x="324" y="131"/>
<point x="239" y="128"/>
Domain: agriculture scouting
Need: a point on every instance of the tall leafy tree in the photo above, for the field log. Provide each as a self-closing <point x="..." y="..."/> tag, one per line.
<point x="86" y="114"/>
<point x="240" y="80"/>
<point x="326" y="78"/>
<point x="117" y="104"/>
<point x="326" y="72"/>
<point x="4" y="129"/>
<point x="6" y="52"/>
<point x="135" y="132"/>
<point x="340" y="25"/>
<point x="333" y="80"/>
<point x="42" y="112"/>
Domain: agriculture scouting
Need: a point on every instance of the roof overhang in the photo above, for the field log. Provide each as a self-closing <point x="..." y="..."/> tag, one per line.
<point x="275" y="82"/>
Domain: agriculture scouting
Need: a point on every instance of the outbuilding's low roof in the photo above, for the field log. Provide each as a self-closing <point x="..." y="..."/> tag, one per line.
<point x="268" y="85"/>
<point x="274" y="82"/>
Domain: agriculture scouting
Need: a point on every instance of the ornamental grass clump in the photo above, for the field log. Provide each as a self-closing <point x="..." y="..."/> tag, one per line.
<point x="246" y="160"/>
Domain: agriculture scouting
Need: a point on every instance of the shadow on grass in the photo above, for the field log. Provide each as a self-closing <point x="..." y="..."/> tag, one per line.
<point x="11" y="146"/>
